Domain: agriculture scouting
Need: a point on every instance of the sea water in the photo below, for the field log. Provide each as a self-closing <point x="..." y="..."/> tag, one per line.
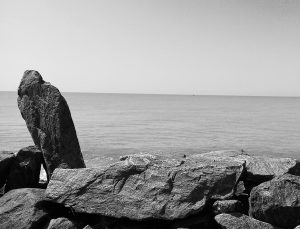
<point x="111" y="125"/>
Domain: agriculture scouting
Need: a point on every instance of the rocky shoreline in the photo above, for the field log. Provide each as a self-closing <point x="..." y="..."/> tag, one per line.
<point x="220" y="189"/>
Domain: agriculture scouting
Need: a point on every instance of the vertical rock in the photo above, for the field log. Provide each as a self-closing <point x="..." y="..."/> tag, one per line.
<point x="49" y="122"/>
<point x="25" y="169"/>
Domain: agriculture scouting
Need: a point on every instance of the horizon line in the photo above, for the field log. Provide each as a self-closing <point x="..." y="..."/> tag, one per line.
<point x="173" y="94"/>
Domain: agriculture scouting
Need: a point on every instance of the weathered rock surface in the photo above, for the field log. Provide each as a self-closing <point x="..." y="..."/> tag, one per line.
<point x="25" y="169"/>
<point x="64" y="223"/>
<point x="277" y="201"/>
<point x="18" y="209"/>
<point x="227" y="206"/>
<point x="49" y="122"/>
<point x="6" y="158"/>
<point x="145" y="186"/>
<point x="240" y="221"/>
<point x="260" y="168"/>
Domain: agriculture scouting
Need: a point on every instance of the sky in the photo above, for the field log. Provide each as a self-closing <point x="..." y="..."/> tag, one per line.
<point x="224" y="47"/>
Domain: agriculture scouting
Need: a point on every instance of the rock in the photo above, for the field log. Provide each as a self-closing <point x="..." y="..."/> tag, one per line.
<point x="18" y="209"/>
<point x="240" y="221"/>
<point x="64" y="223"/>
<point x="6" y="158"/>
<point x="49" y="122"/>
<point x="298" y="227"/>
<point x="260" y="168"/>
<point x="240" y="189"/>
<point x="25" y="169"/>
<point x="277" y="201"/>
<point x="146" y="186"/>
<point x="227" y="206"/>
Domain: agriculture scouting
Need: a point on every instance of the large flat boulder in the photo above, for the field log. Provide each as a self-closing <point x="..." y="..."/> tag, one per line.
<point x="6" y="158"/>
<point x="49" y="122"/>
<point x="18" y="209"/>
<point x="25" y="169"/>
<point x="277" y="201"/>
<point x="240" y="221"/>
<point x="146" y="186"/>
<point x="260" y="168"/>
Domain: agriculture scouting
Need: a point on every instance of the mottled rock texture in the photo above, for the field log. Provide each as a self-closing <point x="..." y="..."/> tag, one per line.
<point x="25" y="169"/>
<point x="18" y="209"/>
<point x="277" y="201"/>
<point x="240" y="221"/>
<point x="227" y="206"/>
<point x="260" y="168"/>
<point x="145" y="186"/>
<point x="64" y="223"/>
<point x="6" y="158"/>
<point x="49" y="122"/>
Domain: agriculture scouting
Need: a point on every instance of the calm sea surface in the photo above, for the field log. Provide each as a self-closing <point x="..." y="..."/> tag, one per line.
<point x="110" y="125"/>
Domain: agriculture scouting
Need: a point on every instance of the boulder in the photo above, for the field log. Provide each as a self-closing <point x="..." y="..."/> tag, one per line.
<point x="64" y="223"/>
<point x="146" y="186"/>
<point x="260" y="168"/>
<point x="25" y="169"/>
<point x="6" y="158"/>
<point x="240" y="221"/>
<point x="49" y="122"/>
<point x="18" y="209"/>
<point x="277" y="201"/>
<point x="227" y="206"/>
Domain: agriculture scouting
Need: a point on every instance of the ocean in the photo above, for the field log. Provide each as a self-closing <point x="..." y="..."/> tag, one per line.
<point x="111" y="125"/>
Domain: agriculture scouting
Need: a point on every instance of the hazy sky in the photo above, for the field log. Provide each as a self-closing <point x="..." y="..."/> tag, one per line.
<point x="154" y="46"/>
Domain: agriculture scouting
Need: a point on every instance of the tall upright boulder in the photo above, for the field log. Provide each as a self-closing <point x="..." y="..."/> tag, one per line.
<point x="49" y="122"/>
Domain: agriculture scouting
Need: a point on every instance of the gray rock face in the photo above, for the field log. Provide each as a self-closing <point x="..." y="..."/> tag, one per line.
<point x="145" y="186"/>
<point x="259" y="168"/>
<point x="49" y="122"/>
<point x="240" y="221"/>
<point x="227" y="206"/>
<point x="64" y="223"/>
<point x="25" y="169"/>
<point x="6" y="158"/>
<point x="18" y="209"/>
<point x="277" y="201"/>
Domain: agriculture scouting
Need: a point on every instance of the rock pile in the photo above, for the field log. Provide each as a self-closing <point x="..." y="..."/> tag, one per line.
<point x="221" y="189"/>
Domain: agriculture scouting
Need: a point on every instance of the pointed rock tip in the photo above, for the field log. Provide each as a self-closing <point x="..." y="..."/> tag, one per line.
<point x="30" y="77"/>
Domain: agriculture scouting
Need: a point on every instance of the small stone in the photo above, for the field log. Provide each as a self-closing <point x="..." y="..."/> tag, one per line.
<point x="227" y="206"/>
<point x="64" y="223"/>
